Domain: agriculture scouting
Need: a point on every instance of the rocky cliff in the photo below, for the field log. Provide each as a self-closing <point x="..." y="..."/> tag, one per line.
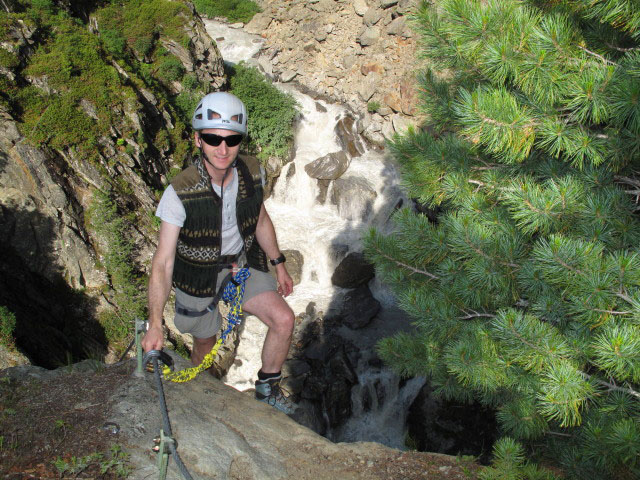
<point x="66" y="149"/>
<point x="360" y="53"/>
<point x="77" y="414"/>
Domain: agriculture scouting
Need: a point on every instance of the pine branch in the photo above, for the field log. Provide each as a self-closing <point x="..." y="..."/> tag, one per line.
<point x="598" y="56"/>
<point x="612" y="312"/>
<point x="408" y="267"/>
<point x="559" y="434"/>
<point x="475" y="314"/>
<point x="621" y="49"/>
<point x="610" y="386"/>
<point x="585" y="375"/>
<point x="482" y="254"/>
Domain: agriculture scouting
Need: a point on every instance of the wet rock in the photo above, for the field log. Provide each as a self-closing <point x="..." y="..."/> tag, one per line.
<point x="338" y="402"/>
<point x="347" y="136"/>
<point x="291" y="171"/>
<point x="341" y="367"/>
<point x="353" y="271"/>
<point x="354" y="197"/>
<point x="328" y="167"/>
<point x="323" y="189"/>
<point x="359" y="308"/>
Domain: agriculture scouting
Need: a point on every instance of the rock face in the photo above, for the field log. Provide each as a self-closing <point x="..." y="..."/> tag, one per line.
<point x="219" y="432"/>
<point x="52" y="274"/>
<point x="319" y="372"/>
<point x="360" y="53"/>
<point x="11" y="358"/>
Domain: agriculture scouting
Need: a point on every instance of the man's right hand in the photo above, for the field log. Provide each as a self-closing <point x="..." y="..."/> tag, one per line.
<point x="153" y="339"/>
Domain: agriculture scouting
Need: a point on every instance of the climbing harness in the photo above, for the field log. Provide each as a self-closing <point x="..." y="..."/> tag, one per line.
<point x="232" y="294"/>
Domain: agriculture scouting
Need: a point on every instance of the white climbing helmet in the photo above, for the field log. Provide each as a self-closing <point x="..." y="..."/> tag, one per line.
<point x="220" y="110"/>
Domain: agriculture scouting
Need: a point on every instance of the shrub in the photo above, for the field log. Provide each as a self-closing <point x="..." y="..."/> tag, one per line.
<point x="7" y="326"/>
<point x="104" y="219"/>
<point x="232" y="10"/>
<point x="373" y="106"/>
<point x="271" y="112"/>
<point x="170" y="69"/>
<point x="113" y="42"/>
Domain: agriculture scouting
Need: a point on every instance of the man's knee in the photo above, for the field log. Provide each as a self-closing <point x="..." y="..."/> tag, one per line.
<point x="200" y="344"/>
<point x="284" y="320"/>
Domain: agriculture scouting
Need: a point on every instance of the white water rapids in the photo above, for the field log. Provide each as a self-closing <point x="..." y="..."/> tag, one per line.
<point x="323" y="234"/>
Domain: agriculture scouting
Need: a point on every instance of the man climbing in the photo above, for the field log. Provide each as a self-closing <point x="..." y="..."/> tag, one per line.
<point x="214" y="220"/>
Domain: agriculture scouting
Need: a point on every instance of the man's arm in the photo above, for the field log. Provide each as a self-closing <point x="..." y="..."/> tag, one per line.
<point x="160" y="284"/>
<point x="266" y="236"/>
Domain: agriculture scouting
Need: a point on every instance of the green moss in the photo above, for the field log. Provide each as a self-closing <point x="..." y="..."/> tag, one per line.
<point x="373" y="106"/>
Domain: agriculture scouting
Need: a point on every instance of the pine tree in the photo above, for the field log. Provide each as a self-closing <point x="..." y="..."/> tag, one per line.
<point x="525" y="291"/>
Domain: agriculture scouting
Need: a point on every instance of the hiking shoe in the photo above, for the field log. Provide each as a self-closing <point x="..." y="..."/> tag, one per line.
<point x="269" y="391"/>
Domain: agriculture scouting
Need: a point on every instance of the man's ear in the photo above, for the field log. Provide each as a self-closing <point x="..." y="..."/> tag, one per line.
<point x="196" y="138"/>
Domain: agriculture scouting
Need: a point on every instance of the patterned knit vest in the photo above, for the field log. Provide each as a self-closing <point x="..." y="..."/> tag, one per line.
<point x="197" y="260"/>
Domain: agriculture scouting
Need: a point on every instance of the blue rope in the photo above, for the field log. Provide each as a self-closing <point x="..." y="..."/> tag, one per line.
<point x="233" y="295"/>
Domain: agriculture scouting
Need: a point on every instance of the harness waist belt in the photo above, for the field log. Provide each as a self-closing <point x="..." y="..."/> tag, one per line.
<point x="212" y="306"/>
<point x="225" y="261"/>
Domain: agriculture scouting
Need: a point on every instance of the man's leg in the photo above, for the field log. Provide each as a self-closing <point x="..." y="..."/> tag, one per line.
<point x="202" y="346"/>
<point x="276" y="314"/>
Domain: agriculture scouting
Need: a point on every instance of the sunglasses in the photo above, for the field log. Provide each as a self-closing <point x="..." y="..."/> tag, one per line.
<point x="215" y="140"/>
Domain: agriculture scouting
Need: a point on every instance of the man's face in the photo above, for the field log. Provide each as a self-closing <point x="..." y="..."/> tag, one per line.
<point x="222" y="156"/>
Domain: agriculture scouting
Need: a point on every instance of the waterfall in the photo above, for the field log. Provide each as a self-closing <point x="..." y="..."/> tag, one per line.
<point x="324" y="233"/>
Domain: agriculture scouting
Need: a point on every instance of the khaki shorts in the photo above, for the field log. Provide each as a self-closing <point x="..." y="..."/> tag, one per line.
<point x="209" y="324"/>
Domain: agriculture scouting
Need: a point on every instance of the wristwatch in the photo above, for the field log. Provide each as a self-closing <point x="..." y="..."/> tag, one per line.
<point x="280" y="259"/>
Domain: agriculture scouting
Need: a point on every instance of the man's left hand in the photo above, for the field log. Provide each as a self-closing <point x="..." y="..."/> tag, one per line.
<point x="285" y="282"/>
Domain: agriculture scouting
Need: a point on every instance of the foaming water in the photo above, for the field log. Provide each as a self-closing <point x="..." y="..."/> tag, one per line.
<point x="234" y="44"/>
<point x="379" y="409"/>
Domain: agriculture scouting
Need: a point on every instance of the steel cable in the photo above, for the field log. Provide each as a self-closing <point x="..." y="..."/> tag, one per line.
<point x="165" y="420"/>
